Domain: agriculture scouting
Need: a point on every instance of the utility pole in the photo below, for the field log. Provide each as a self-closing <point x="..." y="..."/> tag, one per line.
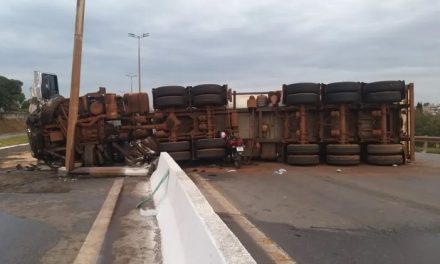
<point x="74" y="86"/>
<point x="131" y="81"/>
<point x="139" y="37"/>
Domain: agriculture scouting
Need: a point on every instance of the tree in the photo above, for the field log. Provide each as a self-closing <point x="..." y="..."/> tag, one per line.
<point x="11" y="95"/>
<point x="25" y="105"/>
<point x="419" y="107"/>
<point x="427" y="124"/>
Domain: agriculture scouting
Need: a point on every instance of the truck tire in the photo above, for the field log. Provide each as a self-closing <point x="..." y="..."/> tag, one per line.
<point x="174" y="146"/>
<point x="343" y="159"/>
<point x="301" y="88"/>
<point x="303" y="159"/>
<point x="398" y="86"/>
<point x="343" y="149"/>
<point x="385" y="159"/>
<point x="170" y="101"/>
<point x="213" y="153"/>
<point x="209" y="99"/>
<point x="180" y="155"/>
<point x="207" y="89"/>
<point x="384" y="149"/>
<point x="342" y="98"/>
<point x="303" y="149"/>
<point x="302" y="98"/>
<point x="169" y="91"/>
<point x="342" y="87"/>
<point x="210" y="143"/>
<point x="36" y="142"/>
<point x="383" y="97"/>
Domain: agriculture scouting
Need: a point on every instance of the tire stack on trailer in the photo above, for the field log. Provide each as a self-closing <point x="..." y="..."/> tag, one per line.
<point x="168" y="99"/>
<point x="179" y="151"/>
<point x="304" y="97"/>
<point x="210" y="148"/>
<point x="341" y="103"/>
<point x="381" y="98"/>
<point x="205" y="97"/>
<point x="208" y="95"/>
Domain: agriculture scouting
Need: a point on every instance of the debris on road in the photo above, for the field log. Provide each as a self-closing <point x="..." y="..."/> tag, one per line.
<point x="280" y="171"/>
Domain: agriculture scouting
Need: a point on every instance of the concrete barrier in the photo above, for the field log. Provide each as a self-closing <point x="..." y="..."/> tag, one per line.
<point x="191" y="231"/>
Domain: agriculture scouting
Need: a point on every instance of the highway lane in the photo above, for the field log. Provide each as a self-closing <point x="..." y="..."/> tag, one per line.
<point x="363" y="214"/>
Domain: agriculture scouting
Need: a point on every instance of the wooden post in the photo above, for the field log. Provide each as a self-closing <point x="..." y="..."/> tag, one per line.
<point x="425" y="147"/>
<point x="75" y="84"/>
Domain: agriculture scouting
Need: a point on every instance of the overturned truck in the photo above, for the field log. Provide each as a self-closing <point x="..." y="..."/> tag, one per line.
<point x="343" y="123"/>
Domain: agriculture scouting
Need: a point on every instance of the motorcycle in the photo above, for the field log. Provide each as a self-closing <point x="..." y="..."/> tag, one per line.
<point x="235" y="148"/>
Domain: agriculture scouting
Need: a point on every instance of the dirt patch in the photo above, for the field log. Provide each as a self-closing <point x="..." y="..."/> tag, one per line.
<point x="12" y="125"/>
<point x="11" y="157"/>
<point x="13" y="180"/>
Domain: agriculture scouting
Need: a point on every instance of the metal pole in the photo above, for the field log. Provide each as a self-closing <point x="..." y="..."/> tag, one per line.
<point x="74" y="86"/>
<point x="139" y="61"/>
<point x="131" y="81"/>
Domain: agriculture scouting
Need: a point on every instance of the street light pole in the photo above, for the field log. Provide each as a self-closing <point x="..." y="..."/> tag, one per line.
<point x="131" y="80"/>
<point x="139" y="37"/>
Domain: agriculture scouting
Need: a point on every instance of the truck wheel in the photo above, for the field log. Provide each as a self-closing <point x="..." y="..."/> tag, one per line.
<point x="169" y="91"/>
<point x="385" y="160"/>
<point x="303" y="159"/>
<point x="170" y="101"/>
<point x="213" y="153"/>
<point x="302" y="98"/>
<point x="343" y="159"/>
<point x="342" y="98"/>
<point x="209" y="99"/>
<point x="301" y="88"/>
<point x="384" y="97"/>
<point x="385" y="149"/>
<point x="398" y="86"/>
<point x="302" y="149"/>
<point x="36" y="142"/>
<point x="342" y="87"/>
<point x="174" y="146"/>
<point x="207" y="89"/>
<point x="180" y="155"/>
<point x="210" y="143"/>
<point x="343" y="149"/>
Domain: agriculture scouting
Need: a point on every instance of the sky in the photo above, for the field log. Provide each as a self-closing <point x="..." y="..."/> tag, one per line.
<point x="249" y="45"/>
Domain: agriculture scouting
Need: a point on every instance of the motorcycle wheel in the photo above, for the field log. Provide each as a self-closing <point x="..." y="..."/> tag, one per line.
<point x="237" y="162"/>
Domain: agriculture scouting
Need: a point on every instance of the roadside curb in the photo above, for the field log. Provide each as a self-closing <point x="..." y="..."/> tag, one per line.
<point x="14" y="146"/>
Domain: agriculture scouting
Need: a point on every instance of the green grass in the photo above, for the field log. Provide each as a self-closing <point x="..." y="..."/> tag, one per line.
<point x="432" y="148"/>
<point x="14" y="140"/>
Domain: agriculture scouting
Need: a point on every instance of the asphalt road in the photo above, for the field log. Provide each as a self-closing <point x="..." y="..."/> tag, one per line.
<point x="363" y="214"/>
<point x="45" y="218"/>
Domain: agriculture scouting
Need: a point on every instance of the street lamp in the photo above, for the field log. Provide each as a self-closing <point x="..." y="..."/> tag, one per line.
<point x="131" y="76"/>
<point x="139" y="37"/>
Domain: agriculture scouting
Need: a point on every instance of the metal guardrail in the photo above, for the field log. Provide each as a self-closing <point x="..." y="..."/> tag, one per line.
<point x="426" y="140"/>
